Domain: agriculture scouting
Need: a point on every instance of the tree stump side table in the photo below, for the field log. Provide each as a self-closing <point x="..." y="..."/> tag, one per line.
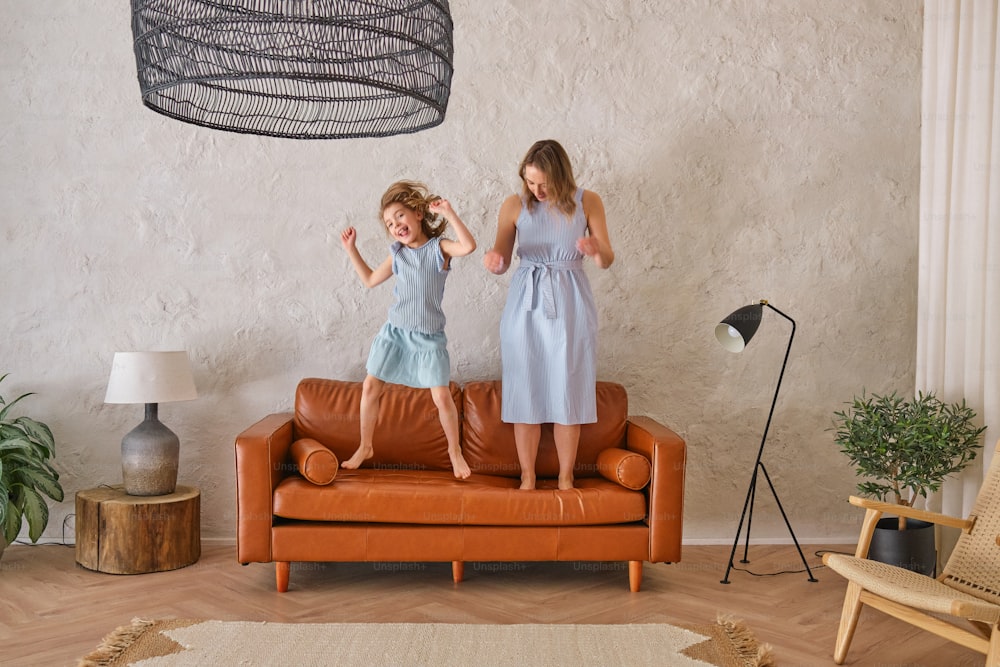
<point x="122" y="534"/>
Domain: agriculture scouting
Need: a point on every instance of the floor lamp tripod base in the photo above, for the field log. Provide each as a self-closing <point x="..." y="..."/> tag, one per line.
<point x="748" y="517"/>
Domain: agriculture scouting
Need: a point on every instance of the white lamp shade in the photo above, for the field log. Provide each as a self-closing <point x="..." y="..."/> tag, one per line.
<point x="150" y="377"/>
<point x="730" y="337"/>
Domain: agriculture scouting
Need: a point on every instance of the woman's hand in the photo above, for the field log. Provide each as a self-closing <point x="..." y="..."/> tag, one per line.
<point x="493" y="261"/>
<point x="588" y="246"/>
<point x="498" y="259"/>
<point x="596" y="245"/>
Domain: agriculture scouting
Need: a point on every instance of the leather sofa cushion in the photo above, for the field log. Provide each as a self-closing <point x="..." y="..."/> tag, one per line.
<point x="437" y="498"/>
<point x="314" y="461"/>
<point x="408" y="434"/>
<point x="621" y="466"/>
<point x="488" y="443"/>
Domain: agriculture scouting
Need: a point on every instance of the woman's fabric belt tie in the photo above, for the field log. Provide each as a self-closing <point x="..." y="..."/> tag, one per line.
<point x="541" y="280"/>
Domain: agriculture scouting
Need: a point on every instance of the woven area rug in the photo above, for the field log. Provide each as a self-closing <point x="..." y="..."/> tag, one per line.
<point x="183" y="643"/>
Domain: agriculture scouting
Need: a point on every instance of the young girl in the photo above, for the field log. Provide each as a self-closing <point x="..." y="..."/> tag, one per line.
<point x="548" y="332"/>
<point x="410" y="348"/>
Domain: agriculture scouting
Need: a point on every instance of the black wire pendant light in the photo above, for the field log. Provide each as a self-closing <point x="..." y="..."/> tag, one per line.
<point x="304" y="69"/>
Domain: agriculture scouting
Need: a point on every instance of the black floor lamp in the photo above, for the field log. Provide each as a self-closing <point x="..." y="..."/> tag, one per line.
<point x="734" y="333"/>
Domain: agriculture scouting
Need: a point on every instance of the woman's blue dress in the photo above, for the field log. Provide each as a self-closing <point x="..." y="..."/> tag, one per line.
<point x="548" y="332"/>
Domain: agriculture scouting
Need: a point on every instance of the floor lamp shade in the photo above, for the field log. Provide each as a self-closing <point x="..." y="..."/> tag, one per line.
<point x="738" y="328"/>
<point x="150" y="451"/>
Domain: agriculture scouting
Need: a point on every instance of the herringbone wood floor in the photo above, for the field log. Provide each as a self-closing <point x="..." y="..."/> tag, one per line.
<point x="52" y="611"/>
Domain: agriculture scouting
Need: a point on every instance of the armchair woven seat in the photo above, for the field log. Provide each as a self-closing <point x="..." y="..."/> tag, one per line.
<point x="967" y="593"/>
<point x="912" y="589"/>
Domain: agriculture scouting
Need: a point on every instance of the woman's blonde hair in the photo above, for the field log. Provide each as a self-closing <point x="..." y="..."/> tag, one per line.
<point x="414" y="196"/>
<point x="551" y="159"/>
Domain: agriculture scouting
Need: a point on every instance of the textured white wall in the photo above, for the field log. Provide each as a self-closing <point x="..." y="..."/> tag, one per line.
<point x="744" y="150"/>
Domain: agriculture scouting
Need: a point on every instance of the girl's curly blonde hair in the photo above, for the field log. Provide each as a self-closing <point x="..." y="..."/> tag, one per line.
<point x="414" y="196"/>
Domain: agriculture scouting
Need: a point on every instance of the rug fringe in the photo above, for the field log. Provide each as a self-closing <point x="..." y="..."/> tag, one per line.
<point x="115" y="643"/>
<point x="750" y="652"/>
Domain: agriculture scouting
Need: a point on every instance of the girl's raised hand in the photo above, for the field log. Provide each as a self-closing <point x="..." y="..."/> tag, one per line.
<point x="442" y="206"/>
<point x="348" y="237"/>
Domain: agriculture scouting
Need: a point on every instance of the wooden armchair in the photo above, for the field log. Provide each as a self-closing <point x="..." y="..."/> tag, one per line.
<point x="967" y="591"/>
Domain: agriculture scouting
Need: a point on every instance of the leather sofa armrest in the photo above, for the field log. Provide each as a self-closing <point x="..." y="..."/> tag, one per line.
<point x="262" y="460"/>
<point x="667" y="453"/>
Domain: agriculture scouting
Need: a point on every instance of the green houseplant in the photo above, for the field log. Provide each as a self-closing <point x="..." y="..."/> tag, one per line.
<point x="906" y="448"/>
<point x="26" y="446"/>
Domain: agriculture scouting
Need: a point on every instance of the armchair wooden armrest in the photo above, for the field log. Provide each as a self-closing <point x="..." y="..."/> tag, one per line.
<point x="874" y="509"/>
<point x="913" y="513"/>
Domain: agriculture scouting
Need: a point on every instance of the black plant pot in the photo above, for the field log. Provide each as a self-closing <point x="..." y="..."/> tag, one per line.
<point x="912" y="549"/>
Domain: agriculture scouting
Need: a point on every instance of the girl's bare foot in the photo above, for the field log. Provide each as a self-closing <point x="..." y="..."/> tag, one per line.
<point x="459" y="466"/>
<point x="360" y="456"/>
<point x="527" y="483"/>
<point x="565" y="484"/>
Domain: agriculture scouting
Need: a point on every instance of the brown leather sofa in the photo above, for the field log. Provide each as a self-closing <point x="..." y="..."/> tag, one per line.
<point x="405" y="505"/>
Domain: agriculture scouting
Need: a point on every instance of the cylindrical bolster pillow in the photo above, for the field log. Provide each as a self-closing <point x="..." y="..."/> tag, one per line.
<point x="629" y="469"/>
<point x="316" y="463"/>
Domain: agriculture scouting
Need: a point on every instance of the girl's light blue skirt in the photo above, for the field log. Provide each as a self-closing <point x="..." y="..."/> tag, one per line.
<point x="411" y="358"/>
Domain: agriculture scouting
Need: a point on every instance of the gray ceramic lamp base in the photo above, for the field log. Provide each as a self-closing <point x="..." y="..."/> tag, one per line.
<point x="150" y="454"/>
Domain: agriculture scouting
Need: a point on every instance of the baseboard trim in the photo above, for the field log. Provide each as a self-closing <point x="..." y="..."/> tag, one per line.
<point x="696" y="541"/>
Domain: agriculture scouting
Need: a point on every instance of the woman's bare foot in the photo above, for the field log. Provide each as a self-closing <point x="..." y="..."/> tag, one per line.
<point x="565" y="484"/>
<point x="527" y="482"/>
<point x="459" y="466"/>
<point x="360" y="456"/>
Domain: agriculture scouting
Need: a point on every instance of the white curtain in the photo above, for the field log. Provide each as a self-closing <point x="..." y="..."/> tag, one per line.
<point x="958" y="298"/>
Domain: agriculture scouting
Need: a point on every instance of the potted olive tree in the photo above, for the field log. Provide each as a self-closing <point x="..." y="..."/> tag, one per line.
<point x="904" y="449"/>
<point x="26" y="445"/>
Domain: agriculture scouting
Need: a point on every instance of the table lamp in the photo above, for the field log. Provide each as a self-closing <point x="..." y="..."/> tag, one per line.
<point x="734" y="333"/>
<point x="150" y="451"/>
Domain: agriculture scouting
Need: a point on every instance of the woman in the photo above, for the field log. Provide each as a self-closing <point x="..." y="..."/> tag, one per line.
<point x="548" y="332"/>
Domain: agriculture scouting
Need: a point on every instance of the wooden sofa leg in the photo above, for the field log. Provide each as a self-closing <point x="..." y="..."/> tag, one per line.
<point x="634" y="575"/>
<point x="281" y="570"/>
<point x="457" y="571"/>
